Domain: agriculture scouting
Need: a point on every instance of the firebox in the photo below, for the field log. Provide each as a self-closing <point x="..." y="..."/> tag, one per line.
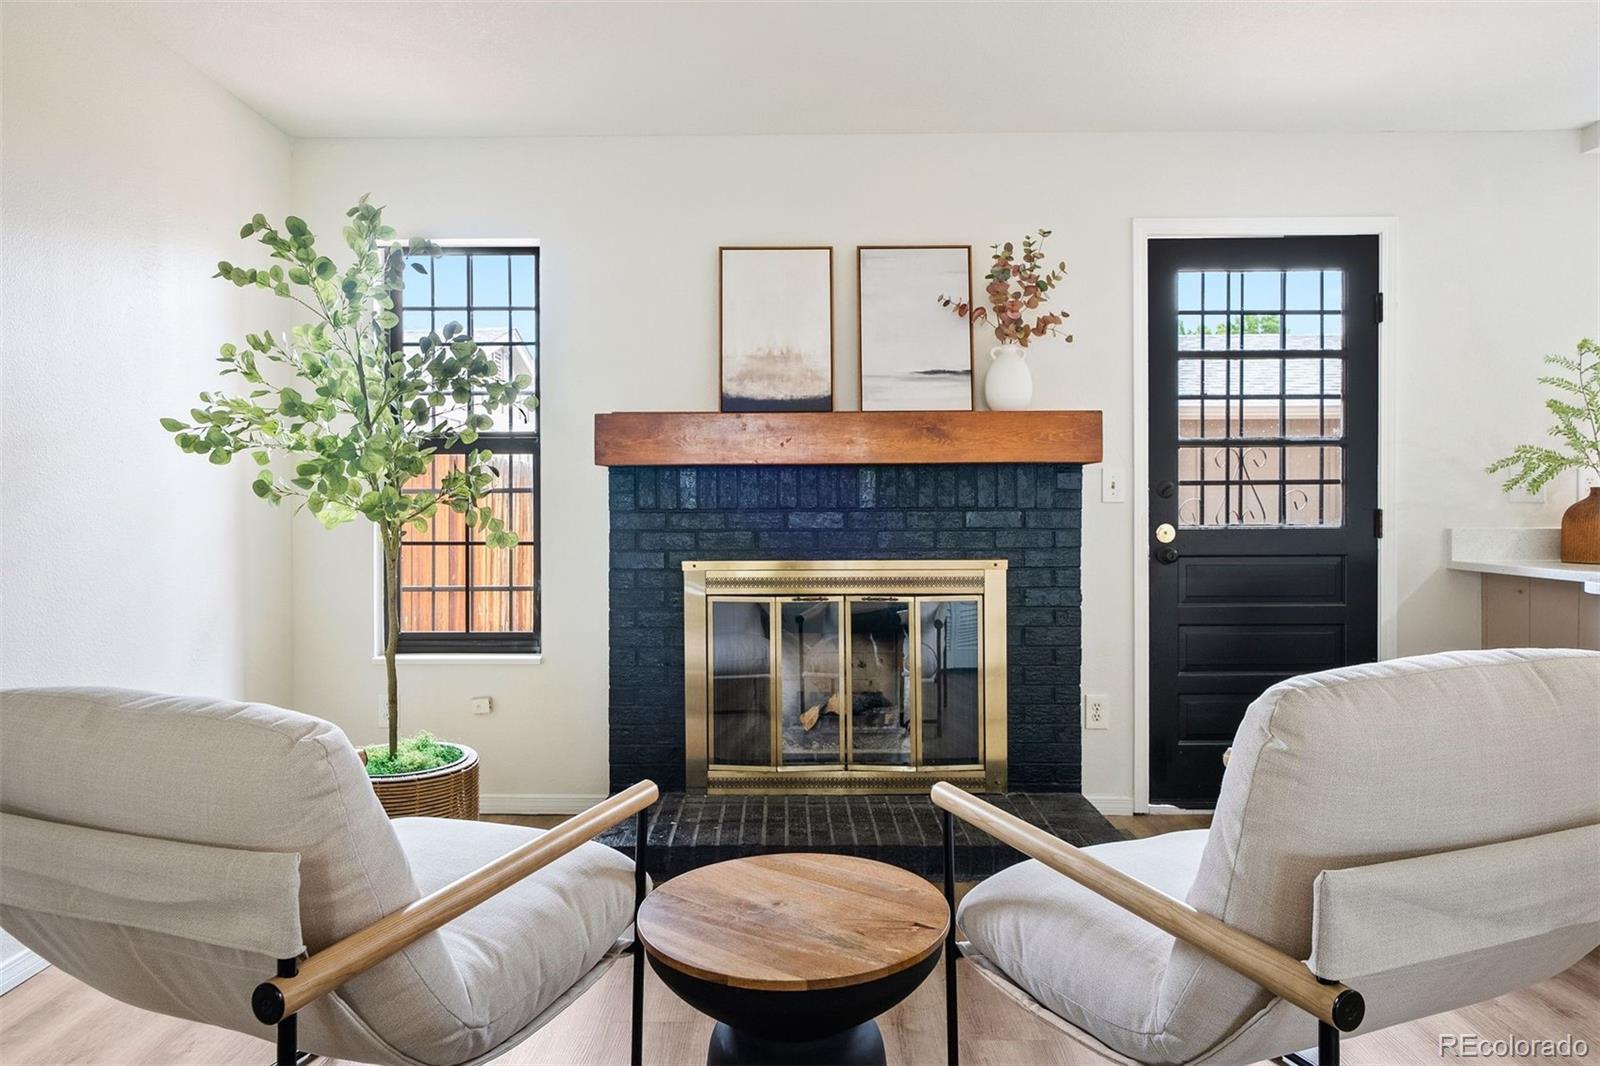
<point x="818" y="676"/>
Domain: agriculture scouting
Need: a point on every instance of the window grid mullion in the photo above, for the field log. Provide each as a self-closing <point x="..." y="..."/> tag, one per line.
<point x="508" y="442"/>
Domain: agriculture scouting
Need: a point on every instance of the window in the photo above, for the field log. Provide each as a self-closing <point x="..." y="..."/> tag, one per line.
<point x="456" y="593"/>
<point x="1261" y="398"/>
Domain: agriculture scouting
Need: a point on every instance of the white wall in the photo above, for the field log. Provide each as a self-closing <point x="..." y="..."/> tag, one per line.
<point x="1497" y="264"/>
<point x="126" y="176"/>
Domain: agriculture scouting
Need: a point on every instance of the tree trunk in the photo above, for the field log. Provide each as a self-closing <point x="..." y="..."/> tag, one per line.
<point x="391" y="643"/>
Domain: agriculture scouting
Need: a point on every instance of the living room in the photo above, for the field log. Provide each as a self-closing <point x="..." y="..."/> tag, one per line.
<point x="927" y="466"/>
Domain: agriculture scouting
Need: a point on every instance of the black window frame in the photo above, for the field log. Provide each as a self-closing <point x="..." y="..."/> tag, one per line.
<point x="522" y="442"/>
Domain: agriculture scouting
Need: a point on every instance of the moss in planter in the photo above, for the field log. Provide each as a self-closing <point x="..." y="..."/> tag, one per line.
<point x="415" y="754"/>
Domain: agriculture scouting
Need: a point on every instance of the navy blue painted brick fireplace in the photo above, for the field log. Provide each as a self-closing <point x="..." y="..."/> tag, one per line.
<point x="1027" y="513"/>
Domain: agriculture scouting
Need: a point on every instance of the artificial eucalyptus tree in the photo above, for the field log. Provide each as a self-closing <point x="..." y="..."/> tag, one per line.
<point x="356" y="419"/>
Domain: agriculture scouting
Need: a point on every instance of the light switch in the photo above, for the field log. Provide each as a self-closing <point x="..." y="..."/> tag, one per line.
<point x="482" y="704"/>
<point x="1112" y="489"/>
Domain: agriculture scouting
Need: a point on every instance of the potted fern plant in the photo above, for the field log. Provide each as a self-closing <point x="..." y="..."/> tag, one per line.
<point x="1575" y="446"/>
<point x="352" y="423"/>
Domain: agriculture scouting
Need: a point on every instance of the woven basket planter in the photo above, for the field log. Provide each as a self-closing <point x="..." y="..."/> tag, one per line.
<point x="443" y="792"/>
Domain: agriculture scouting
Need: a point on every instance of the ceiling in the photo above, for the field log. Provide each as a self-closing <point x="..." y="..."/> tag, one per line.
<point x="473" y="68"/>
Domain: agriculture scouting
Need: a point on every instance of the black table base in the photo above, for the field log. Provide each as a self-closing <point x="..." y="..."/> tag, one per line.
<point x="861" y="1045"/>
<point x="814" y="1027"/>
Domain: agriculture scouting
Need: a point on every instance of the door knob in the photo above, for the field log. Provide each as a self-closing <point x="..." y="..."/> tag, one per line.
<point x="1165" y="533"/>
<point x="1167" y="555"/>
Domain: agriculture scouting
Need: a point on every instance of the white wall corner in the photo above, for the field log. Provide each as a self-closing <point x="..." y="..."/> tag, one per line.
<point x="535" y="802"/>
<point x="1589" y="139"/>
<point x="18" y="967"/>
<point x="1111" y="804"/>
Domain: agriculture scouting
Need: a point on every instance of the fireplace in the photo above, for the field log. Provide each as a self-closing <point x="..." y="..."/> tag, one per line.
<point x="880" y="676"/>
<point x="932" y="493"/>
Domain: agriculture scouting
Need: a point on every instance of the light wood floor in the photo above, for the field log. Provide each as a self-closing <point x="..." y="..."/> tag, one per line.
<point x="53" y="1020"/>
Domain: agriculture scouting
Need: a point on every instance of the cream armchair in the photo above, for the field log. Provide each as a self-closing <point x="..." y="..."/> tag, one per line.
<point x="228" y="863"/>
<point x="1423" y="833"/>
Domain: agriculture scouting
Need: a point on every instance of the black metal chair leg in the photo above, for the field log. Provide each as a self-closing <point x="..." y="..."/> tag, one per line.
<point x="289" y="1029"/>
<point x="951" y="951"/>
<point x="641" y="831"/>
<point x="1327" y="1045"/>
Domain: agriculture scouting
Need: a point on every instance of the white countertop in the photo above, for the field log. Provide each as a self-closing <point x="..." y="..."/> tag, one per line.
<point x="1534" y="553"/>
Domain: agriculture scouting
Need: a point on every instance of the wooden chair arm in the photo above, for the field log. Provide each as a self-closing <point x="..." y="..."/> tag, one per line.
<point x="337" y="963"/>
<point x="1279" y="973"/>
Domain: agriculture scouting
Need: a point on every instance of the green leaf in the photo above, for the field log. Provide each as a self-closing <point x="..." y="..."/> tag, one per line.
<point x="323" y="267"/>
<point x="296" y="227"/>
<point x="172" y="425"/>
<point x="221" y="456"/>
<point x="420" y="269"/>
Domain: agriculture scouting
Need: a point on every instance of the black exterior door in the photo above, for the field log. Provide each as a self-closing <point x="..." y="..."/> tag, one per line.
<point x="1263" y="483"/>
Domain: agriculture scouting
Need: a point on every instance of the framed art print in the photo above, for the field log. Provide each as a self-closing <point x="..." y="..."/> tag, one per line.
<point x="915" y="354"/>
<point x="776" y="328"/>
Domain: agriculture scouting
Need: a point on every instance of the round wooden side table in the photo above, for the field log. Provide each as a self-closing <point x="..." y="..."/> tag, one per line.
<point x="794" y="955"/>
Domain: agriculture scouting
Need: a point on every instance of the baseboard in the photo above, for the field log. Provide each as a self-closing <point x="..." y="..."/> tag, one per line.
<point x="535" y="802"/>
<point x="1167" y="808"/>
<point x="18" y="968"/>
<point x="1111" y="804"/>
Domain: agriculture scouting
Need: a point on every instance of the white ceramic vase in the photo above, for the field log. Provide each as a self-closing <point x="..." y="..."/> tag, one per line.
<point x="1009" y="384"/>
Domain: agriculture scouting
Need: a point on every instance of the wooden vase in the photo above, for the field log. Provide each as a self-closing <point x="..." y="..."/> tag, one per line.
<point x="1580" y="530"/>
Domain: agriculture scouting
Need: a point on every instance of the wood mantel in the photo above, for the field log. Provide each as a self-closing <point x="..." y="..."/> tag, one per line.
<point x="643" y="438"/>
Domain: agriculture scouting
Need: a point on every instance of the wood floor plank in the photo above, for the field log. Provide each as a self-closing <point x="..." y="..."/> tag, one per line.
<point x="53" y="1020"/>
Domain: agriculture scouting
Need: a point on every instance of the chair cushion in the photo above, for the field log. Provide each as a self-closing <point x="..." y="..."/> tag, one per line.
<point x="1084" y="958"/>
<point x="1377" y="762"/>
<point x="514" y="954"/>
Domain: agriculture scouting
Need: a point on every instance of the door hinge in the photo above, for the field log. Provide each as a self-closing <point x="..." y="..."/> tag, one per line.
<point x="1377" y="309"/>
<point x="1377" y="522"/>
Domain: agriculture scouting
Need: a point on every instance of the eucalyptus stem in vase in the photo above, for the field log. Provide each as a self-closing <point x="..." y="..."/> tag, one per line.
<point x="1018" y="288"/>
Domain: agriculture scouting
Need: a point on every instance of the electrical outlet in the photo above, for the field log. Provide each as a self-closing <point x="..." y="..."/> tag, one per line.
<point x="1587" y="479"/>
<point x="482" y="704"/>
<point x="1112" y="489"/>
<point x="1095" y="713"/>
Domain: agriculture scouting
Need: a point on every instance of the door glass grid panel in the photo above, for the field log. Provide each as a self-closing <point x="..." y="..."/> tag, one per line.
<point x="1261" y="433"/>
<point x="1260" y="310"/>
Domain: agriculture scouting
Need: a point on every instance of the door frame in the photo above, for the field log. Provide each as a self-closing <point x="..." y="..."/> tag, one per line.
<point x="1386" y="229"/>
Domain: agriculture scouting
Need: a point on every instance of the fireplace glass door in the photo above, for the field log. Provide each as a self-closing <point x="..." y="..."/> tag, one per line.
<point x="948" y="665"/>
<point x="833" y="682"/>
<point x="880" y="681"/>
<point x="741" y="682"/>
<point x="811" y="682"/>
